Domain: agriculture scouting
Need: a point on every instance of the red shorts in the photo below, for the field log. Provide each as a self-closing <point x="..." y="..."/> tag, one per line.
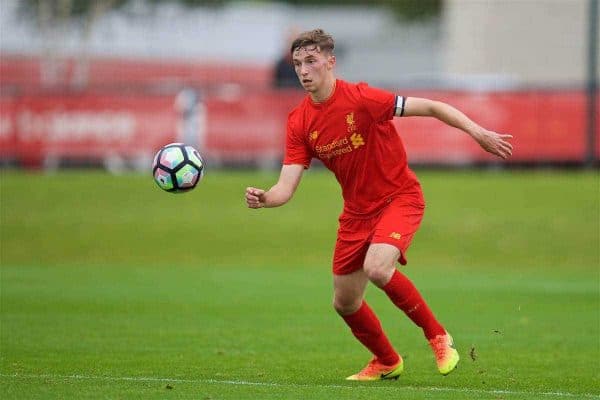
<point x="396" y="224"/>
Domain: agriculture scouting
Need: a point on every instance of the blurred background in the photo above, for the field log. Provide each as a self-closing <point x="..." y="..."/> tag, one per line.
<point x="106" y="83"/>
<point x="105" y="279"/>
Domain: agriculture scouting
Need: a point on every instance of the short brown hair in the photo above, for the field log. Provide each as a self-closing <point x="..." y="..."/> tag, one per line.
<point x="316" y="37"/>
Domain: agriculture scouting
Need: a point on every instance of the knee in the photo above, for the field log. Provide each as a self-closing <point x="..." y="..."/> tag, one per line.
<point x="378" y="270"/>
<point x="346" y="306"/>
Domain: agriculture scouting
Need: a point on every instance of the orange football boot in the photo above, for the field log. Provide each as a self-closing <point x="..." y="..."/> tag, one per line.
<point x="446" y="355"/>
<point x="375" y="371"/>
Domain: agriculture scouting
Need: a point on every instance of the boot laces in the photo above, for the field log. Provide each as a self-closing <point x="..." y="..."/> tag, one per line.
<point x="372" y="367"/>
<point x="439" y="345"/>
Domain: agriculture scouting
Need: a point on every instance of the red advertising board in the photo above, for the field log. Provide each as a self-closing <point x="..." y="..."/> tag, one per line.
<point x="250" y="126"/>
<point x="547" y="126"/>
<point x="34" y="73"/>
<point x="86" y="126"/>
<point x="8" y="131"/>
<point x="239" y="124"/>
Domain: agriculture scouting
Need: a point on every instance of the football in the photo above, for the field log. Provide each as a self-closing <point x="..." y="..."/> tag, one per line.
<point x="177" y="168"/>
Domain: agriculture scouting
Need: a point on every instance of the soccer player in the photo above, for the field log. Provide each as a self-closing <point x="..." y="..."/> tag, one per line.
<point x="348" y="127"/>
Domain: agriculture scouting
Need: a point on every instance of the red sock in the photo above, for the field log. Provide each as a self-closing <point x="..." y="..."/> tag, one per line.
<point x="367" y="329"/>
<point x="406" y="297"/>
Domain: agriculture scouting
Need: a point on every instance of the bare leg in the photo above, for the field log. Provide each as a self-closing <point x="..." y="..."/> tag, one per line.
<point x="380" y="263"/>
<point x="349" y="292"/>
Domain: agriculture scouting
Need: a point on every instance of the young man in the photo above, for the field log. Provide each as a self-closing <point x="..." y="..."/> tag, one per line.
<point x="348" y="127"/>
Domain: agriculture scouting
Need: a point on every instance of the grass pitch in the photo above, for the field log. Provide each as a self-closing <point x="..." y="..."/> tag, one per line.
<point x="111" y="288"/>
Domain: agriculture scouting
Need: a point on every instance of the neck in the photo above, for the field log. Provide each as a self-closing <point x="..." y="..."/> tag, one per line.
<point x="325" y="92"/>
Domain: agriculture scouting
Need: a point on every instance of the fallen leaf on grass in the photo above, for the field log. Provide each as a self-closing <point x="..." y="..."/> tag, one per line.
<point x="472" y="353"/>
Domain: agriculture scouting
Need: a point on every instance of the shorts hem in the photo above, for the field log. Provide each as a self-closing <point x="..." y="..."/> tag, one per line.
<point x="402" y="258"/>
<point x="346" y="271"/>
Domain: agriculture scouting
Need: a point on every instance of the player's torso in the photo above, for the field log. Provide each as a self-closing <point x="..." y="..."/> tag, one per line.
<point x="367" y="157"/>
<point x="338" y="132"/>
<point x="336" y="137"/>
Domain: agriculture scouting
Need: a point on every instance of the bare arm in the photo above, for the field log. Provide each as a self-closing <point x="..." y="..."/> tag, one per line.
<point x="280" y="193"/>
<point x="491" y="142"/>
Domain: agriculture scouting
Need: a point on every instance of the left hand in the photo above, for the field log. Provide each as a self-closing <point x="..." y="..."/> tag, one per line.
<point x="494" y="143"/>
<point x="255" y="198"/>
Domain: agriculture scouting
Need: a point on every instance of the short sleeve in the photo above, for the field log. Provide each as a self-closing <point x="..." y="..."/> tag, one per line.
<point x="296" y="149"/>
<point x="380" y="104"/>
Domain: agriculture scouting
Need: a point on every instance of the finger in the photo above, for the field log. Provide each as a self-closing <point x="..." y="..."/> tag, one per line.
<point x="497" y="151"/>
<point x="254" y="191"/>
<point x="506" y="136"/>
<point x="505" y="153"/>
<point x="503" y="147"/>
<point x="507" y="146"/>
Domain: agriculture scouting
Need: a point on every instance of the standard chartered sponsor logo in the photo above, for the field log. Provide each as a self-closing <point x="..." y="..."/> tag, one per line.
<point x="332" y="145"/>
<point x="55" y="126"/>
<point x="339" y="147"/>
<point x="335" y="153"/>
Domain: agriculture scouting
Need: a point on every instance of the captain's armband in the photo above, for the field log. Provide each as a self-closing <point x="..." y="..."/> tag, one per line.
<point x="400" y="101"/>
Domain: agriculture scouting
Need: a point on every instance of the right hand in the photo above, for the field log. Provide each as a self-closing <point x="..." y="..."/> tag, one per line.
<point x="255" y="198"/>
<point x="494" y="143"/>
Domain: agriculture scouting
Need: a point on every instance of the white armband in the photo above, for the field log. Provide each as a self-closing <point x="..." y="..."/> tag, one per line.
<point x="400" y="101"/>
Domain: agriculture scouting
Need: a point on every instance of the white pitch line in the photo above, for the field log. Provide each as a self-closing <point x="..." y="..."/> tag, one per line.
<point x="296" y="385"/>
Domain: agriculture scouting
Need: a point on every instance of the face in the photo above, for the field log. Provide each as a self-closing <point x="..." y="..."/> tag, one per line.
<point x="312" y="67"/>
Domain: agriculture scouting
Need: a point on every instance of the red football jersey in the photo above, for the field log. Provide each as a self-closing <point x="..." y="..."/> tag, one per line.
<point x="352" y="134"/>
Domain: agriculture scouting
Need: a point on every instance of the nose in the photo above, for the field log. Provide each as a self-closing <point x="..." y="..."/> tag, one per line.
<point x="303" y="70"/>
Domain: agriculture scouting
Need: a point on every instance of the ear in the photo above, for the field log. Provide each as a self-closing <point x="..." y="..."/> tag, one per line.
<point x="331" y="61"/>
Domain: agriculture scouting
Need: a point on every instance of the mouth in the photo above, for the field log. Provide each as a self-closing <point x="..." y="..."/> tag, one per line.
<point x="305" y="81"/>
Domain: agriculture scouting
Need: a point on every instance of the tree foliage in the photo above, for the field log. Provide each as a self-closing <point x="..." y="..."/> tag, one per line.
<point x="66" y="8"/>
<point x="403" y="9"/>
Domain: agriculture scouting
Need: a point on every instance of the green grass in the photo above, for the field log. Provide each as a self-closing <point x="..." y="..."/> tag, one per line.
<point x="111" y="288"/>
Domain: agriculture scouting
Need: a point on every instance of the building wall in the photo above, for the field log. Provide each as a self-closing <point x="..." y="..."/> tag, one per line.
<point x="370" y="43"/>
<point x="479" y="44"/>
<point x="530" y="41"/>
